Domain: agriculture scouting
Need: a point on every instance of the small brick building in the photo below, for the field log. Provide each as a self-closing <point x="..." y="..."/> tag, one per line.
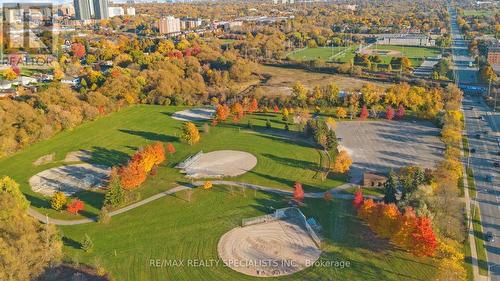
<point x="373" y="180"/>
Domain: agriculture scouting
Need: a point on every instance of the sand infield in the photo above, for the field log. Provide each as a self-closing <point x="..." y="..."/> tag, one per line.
<point x="69" y="179"/>
<point x="270" y="249"/>
<point x="221" y="163"/>
<point x="194" y="114"/>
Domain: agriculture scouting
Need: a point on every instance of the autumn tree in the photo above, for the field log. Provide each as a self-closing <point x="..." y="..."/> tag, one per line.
<point x="358" y="199"/>
<point x="342" y="162"/>
<point x="170" y="148"/>
<point x="400" y="114"/>
<point x="298" y="192"/>
<point x="364" y="113"/>
<point x="78" y="50"/>
<point x="190" y="133"/>
<point x="58" y="201"/>
<point x="207" y="185"/>
<point x="253" y="106"/>
<point x="237" y="111"/>
<point x="389" y="114"/>
<point x="299" y="92"/>
<point x="9" y="74"/>
<point x="221" y="113"/>
<point x="75" y="206"/>
<point x="133" y="174"/>
<point x="28" y="247"/>
<point x="424" y="240"/>
<point x="341" y="112"/>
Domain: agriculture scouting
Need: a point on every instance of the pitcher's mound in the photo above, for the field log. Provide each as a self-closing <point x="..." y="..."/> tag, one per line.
<point x="268" y="249"/>
<point x="218" y="164"/>
<point x="194" y="114"/>
<point x="69" y="179"/>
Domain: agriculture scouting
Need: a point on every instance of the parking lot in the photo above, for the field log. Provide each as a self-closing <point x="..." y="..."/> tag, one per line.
<point x="378" y="146"/>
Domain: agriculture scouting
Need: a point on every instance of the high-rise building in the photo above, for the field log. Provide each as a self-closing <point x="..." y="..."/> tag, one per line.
<point x="91" y="9"/>
<point x="169" y="24"/>
<point x="84" y="9"/>
<point x="101" y="8"/>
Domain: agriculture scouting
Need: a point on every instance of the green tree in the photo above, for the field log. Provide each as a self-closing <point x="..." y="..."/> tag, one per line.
<point x="87" y="244"/>
<point x="114" y="195"/>
<point x="390" y="188"/>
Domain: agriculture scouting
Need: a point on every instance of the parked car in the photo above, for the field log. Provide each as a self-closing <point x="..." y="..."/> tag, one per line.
<point x="489" y="237"/>
<point x="496" y="164"/>
<point x="472" y="150"/>
<point x="478" y="136"/>
<point x="482" y="118"/>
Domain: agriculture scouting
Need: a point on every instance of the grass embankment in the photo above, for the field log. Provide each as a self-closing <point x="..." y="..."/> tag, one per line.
<point x="172" y="228"/>
<point x="479" y="240"/>
<point x="283" y="157"/>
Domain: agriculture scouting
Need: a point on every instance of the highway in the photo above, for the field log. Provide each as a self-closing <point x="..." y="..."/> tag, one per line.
<point x="482" y="128"/>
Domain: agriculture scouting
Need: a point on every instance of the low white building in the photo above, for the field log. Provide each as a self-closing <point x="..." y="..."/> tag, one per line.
<point x="405" y="40"/>
<point x="115" y="12"/>
<point x="131" y="11"/>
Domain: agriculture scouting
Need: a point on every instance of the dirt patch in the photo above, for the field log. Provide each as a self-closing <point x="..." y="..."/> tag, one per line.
<point x="281" y="80"/>
<point x="78" y="156"/>
<point x="194" y="114"/>
<point x="46" y="159"/>
<point x="218" y="164"/>
<point x="389" y="53"/>
<point x="69" y="179"/>
<point x="268" y="249"/>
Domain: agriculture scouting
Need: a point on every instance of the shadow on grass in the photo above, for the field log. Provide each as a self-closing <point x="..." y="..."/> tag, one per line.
<point x="108" y="157"/>
<point x="150" y="135"/>
<point x="71" y="243"/>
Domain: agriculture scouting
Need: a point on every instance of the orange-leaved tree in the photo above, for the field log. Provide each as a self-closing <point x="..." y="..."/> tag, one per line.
<point x="75" y="206"/>
<point x="298" y="193"/>
<point x="132" y="175"/>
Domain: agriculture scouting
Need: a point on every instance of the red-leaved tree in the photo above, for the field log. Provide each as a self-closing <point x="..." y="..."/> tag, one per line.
<point x="78" y="50"/>
<point x="358" y="199"/>
<point x="276" y="109"/>
<point x="298" y="193"/>
<point x="424" y="240"/>
<point x="364" y="113"/>
<point x="75" y="206"/>
<point x="389" y="114"/>
<point x="401" y="112"/>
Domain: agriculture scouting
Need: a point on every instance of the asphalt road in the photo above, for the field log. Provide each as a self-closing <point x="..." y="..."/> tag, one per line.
<point x="484" y="137"/>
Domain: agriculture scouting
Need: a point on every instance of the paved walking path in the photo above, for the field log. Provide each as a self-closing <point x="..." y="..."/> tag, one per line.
<point x="336" y="193"/>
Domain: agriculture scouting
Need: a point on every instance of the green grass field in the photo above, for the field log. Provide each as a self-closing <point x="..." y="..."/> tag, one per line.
<point x="415" y="54"/>
<point x="172" y="228"/>
<point x="281" y="160"/>
<point x="477" y="13"/>
<point x="479" y="240"/>
<point x="323" y="53"/>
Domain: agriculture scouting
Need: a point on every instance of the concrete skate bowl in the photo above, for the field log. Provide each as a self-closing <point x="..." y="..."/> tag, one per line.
<point x="270" y="249"/>
<point x="70" y="179"/>
<point x="218" y="164"/>
<point x="194" y="114"/>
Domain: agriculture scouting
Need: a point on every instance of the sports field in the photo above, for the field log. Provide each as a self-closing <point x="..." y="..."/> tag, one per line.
<point x="341" y="54"/>
<point x="174" y="230"/>
<point x="282" y="158"/>
<point x="416" y="54"/>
